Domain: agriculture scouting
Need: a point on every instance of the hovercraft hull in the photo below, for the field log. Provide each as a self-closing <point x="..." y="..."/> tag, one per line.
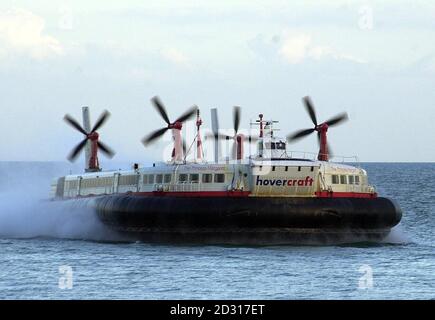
<point x="249" y="220"/>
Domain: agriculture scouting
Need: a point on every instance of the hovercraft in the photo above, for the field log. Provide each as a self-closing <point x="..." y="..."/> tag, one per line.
<point x="272" y="197"/>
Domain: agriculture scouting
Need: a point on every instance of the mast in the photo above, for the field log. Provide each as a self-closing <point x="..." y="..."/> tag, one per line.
<point x="199" y="151"/>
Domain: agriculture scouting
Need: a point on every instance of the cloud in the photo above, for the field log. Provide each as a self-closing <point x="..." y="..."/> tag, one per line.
<point x="22" y="32"/>
<point x="175" y="56"/>
<point x="296" y="48"/>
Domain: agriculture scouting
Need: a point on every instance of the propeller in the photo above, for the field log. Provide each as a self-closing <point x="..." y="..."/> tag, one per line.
<point x="236" y="125"/>
<point x="158" y="105"/>
<point x="92" y="135"/>
<point x="317" y="127"/>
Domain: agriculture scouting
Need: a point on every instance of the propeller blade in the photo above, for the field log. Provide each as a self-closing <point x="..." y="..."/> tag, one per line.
<point x="188" y="114"/>
<point x="76" y="151"/>
<point x="215" y="130"/>
<point x="148" y="139"/>
<point x="236" y="118"/>
<point x="310" y="108"/>
<point x="299" y="134"/>
<point x="106" y="150"/>
<point x="214" y="121"/>
<point x="337" y="119"/>
<point x="72" y="122"/>
<point x="160" y="108"/>
<point x="101" y="120"/>
<point x="219" y="136"/>
<point x="184" y="147"/>
<point x="330" y="153"/>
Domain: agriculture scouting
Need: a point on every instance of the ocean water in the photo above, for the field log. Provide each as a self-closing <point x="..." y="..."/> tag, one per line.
<point x="48" y="253"/>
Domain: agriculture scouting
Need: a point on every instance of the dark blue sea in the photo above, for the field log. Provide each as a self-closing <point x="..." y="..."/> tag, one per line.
<point x="58" y="254"/>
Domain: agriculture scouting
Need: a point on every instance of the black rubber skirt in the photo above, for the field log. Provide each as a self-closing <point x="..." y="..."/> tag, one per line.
<point x="250" y="220"/>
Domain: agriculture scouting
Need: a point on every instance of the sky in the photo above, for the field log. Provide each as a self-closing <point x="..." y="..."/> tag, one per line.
<point x="373" y="59"/>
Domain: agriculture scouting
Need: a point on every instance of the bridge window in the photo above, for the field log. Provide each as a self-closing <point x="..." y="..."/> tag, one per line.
<point x="351" y="179"/>
<point x="280" y="145"/>
<point x="182" y="177"/>
<point x="343" y="179"/>
<point x="145" y="179"/>
<point x="207" y="178"/>
<point x="194" y="177"/>
<point x="168" y="178"/>
<point x="159" y="178"/>
<point x="356" y="179"/>
<point x="334" y="179"/>
<point x="219" y="178"/>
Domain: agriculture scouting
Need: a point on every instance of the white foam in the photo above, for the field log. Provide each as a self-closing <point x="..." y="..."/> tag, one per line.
<point x="25" y="211"/>
<point x="397" y="236"/>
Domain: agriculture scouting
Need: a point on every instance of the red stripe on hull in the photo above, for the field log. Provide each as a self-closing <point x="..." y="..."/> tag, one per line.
<point x="326" y="194"/>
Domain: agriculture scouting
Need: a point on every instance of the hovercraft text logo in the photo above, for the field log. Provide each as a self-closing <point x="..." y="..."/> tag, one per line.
<point x="307" y="182"/>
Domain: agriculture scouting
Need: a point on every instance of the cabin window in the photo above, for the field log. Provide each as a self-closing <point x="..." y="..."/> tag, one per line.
<point x="159" y="178"/>
<point x="351" y="179"/>
<point x="207" y="178"/>
<point x="312" y="169"/>
<point x="286" y="168"/>
<point x="219" y="178"/>
<point x="356" y="179"/>
<point x="97" y="182"/>
<point x="168" y="178"/>
<point x="194" y="177"/>
<point x="125" y="180"/>
<point x="182" y="177"/>
<point x="273" y="168"/>
<point x="145" y="179"/>
<point x="299" y="168"/>
<point x="343" y="179"/>
<point x="150" y="179"/>
<point x="334" y="179"/>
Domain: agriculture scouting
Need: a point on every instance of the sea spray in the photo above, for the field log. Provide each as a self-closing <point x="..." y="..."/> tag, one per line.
<point x="26" y="210"/>
<point x="397" y="236"/>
